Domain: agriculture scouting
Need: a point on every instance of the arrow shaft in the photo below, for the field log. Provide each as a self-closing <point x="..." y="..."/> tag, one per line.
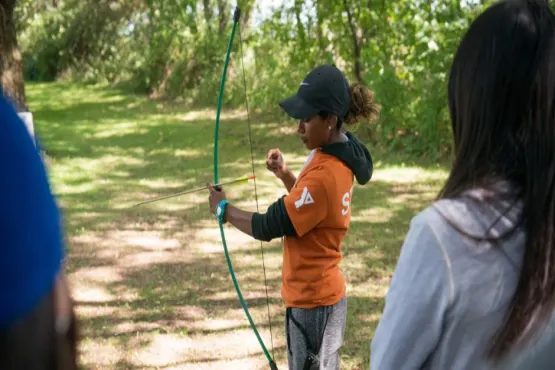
<point x="194" y="190"/>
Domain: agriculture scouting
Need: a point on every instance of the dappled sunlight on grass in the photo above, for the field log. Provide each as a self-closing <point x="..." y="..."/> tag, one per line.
<point x="187" y="153"/>
<point x="151" y="282"/>
<point x="97" y="171"/>
<point x="90" y="292"/>
<point x="165" y="349"/>
<point x="162" y="184"/>
<point x="283" y="129"/>
<point x="101" y="353"/>
<point x="105" y="274"/>
<point x="403" y="175"/>
<point x="118" y="129"/>
<point x="209" y="114"/>
<point x="374" y="214"/>
<point x="94" y="311"/>
<point x="151" y="242"/>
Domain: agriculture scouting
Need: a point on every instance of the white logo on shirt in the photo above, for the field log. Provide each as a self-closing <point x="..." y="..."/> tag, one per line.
<point x="346" y="200"/>
<point x="346" y="203"/>
<point x="306" y="198"/>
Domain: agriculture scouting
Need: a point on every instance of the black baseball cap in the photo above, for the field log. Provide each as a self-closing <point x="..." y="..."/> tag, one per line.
<point x="324" y="89"/>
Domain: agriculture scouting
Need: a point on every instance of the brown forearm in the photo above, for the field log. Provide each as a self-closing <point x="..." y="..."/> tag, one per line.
<point x="242" y="220"/>
<point x="289" y="180"/>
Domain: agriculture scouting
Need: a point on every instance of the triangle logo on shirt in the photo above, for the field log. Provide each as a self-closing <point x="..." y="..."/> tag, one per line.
<point x="306" y="198"/>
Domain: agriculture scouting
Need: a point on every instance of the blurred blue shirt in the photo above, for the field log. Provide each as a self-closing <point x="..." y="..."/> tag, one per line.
<point x="30" y="226"/>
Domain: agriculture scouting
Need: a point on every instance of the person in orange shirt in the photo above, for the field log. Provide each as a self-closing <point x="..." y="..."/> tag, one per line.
<point x="314" y="216"/>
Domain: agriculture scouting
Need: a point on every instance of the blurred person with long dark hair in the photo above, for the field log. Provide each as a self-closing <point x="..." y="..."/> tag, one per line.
<point x="37" y="321"/>
<point x="475" y="281"/>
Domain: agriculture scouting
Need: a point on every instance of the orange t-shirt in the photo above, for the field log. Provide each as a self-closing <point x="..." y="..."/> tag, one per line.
<point x="319" y="208"/>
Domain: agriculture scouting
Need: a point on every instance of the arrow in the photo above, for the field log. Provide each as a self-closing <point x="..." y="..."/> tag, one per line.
<point x="217" y="187"/>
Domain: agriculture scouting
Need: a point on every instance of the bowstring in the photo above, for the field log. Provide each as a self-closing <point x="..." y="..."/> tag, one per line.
<point x="255" y="187"/>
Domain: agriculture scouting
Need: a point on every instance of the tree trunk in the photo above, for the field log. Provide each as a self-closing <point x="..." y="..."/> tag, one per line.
<point x="207" y="14"/>
<point x="356" y="34"/>
<point x="246" y="14"/>
<point x="319" y="30"/>
<point x="11" y="60"/>
<point x="301" y="34"/>
<point x="223" y="17"/>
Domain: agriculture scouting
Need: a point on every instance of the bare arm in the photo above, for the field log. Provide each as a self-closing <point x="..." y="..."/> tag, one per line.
<point x="242" y="220"/>
<point x="274" y="223"/>
<point x="288" y="180"/>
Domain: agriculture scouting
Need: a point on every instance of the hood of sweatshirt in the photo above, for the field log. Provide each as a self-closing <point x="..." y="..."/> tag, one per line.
<point x="355" y="155"/>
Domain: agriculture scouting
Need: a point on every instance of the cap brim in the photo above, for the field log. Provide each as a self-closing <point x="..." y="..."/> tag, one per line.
<point x="297" y="108"/>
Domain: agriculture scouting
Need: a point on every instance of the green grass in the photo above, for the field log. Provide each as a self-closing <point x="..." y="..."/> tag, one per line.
<point x="151" y="283"/>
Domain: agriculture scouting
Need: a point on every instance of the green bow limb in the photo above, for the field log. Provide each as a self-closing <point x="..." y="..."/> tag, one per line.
<point x="236" y="17"/>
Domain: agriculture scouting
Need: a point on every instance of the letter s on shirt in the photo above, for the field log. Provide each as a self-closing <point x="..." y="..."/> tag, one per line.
<point x="346" y="203"/>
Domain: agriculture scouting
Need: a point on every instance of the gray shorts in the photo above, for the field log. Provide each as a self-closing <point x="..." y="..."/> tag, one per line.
<point x="315" y="335"/>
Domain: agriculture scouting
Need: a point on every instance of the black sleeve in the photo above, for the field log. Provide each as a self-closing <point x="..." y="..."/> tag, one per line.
<point x="275" y="223"/>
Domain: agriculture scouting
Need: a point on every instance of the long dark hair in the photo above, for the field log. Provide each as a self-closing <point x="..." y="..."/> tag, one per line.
<point x="501" y="101"/>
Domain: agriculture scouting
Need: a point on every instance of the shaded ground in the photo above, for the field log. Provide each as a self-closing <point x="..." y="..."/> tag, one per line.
<point x="151" y="283"/>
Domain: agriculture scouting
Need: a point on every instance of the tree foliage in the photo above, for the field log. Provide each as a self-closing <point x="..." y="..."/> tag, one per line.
<point x="401" y="49"/>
